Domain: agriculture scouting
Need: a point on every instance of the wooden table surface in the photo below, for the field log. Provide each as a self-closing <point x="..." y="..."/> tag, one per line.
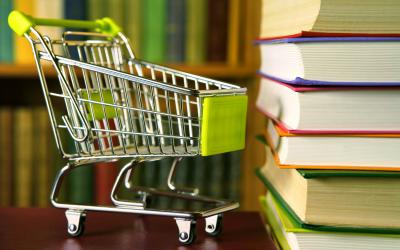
<point x="45" y="228"/>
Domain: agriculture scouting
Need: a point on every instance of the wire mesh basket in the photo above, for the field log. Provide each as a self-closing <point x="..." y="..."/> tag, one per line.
<point x="111" y="105"/>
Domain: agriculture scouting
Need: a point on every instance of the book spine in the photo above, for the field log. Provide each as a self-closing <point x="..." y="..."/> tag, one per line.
<point x="105" y="172"/>
<point x="196" y="31"/>
<point x="80" y="180"/>
<point x="6" y="35"/>
<point x="133" y="25"/>
<point x="181" y="180"/>
<point x="115" y="11"/>
<point x="6" y="173"/>
<point x="97" y="9"/>
<point x="23" y="157"/>
<point x="75" y="9"/>
<point x="49" y="9"/>
<point x="233" y="35"/>
<point x="56" y="162"/>
<point x="216" y="176"/>
<point x="105" y="175"/>
<point x="199" y="178"/>
<point x="41" y="176"/>
<point x="154" y="30"/>
<point x="218" y="27"/>
<point x="165" y="166"/>
<point x="23" y="52"/>
<point x="233" y="186"/>
<point x="176" y="30"/>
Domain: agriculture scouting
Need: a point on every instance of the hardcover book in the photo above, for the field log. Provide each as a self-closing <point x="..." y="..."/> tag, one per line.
<point x="331" y="199"/>
<point x="333" y="61"/>
<point x="322" y="17"/>
<point x="340" y="151"/>
<point x="330" y="110"/>
<point x="290" y="235"/>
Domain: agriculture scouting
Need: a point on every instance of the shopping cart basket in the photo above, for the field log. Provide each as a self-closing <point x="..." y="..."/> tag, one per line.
<point x="114" y="106"/>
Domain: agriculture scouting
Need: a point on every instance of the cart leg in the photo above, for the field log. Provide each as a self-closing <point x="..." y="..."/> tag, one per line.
<point x="123" y="178"/>
<point x="57" y="184"/>
<point x="187" y="230"/>
<point x="214" y="225"/>
<point x="76" y="222"/>
<point x="171" y="183"/>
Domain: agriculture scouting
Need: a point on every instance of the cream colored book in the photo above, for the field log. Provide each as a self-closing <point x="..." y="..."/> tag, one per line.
<point x="369" y="199"/>
<point x="290" y="233"/>
<point x="341" y="17"/>
<point x="334" y="151"/>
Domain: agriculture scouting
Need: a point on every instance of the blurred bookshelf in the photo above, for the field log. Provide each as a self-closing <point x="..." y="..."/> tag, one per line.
<point x="239" y="63"/>
<point x="213" y="70"/>
<point x="238" y="60"/>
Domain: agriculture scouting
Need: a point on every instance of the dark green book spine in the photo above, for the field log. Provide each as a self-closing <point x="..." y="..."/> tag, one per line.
<point x="6" y="35"/>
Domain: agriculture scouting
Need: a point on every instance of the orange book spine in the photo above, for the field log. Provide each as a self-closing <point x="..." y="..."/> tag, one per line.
<point x="23" y="52"/>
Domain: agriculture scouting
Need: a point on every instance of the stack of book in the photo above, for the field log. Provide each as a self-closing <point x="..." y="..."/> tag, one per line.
<point x="330" y="86"/>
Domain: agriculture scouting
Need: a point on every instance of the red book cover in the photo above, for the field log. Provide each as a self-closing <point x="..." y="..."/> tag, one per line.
<point x="326" y="34"/>
<point x="106" y="172"/>
<point x="217" y="30"/>
<point x="105" y="175"/>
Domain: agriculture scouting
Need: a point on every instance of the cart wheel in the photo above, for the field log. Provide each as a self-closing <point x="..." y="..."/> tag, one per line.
<point x="187" y="231"/>
<point x="214" y="225"/>
<point x="76" y="222"/>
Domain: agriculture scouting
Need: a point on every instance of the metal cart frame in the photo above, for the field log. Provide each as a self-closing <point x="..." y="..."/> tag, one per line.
<point x="119" y="107"/>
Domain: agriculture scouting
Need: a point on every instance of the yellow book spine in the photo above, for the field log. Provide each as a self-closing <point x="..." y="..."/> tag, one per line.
<point x="23" y="52"/>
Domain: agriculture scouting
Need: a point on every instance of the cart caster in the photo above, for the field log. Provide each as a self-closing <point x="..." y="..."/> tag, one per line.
<point x="214" y="225"/>
<point x="76" y="222"/>
<point x="187" y="230"/>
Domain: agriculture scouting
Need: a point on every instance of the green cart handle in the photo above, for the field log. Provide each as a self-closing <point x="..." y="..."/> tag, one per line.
<point x="21" y="23"/>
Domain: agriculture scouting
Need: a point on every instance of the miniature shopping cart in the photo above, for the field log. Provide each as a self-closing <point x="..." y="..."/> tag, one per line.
<point x="112" y="106"/>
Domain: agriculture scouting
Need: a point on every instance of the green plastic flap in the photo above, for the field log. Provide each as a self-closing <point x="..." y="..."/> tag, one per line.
<point x="223" y="126"/>
<point x="95" y="110"/>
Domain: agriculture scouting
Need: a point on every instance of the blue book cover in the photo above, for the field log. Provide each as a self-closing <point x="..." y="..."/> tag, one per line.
<point x="77" y="10"/>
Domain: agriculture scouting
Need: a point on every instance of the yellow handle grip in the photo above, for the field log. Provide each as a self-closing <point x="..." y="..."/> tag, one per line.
<point x="21" y="23"/>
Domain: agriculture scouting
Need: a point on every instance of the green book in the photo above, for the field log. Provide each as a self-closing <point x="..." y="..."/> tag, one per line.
<point x="133" y="26"/>
<point x="291" y="234"/>
<point x="154" y="30"/>
<point x="216" y="176"/>
<point x="196" y="31"/>
<point x="115" y="10"/>
<point x="165" y="166"/>
<point x="6" y="35"/>
<point x="234" y="171"/>
<point x="200" y="181"/>
<point x="369" y="200"/>
<point x="80" y="181"/>
<point x="97" y="9"/>
<point x="182" y="180"/>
